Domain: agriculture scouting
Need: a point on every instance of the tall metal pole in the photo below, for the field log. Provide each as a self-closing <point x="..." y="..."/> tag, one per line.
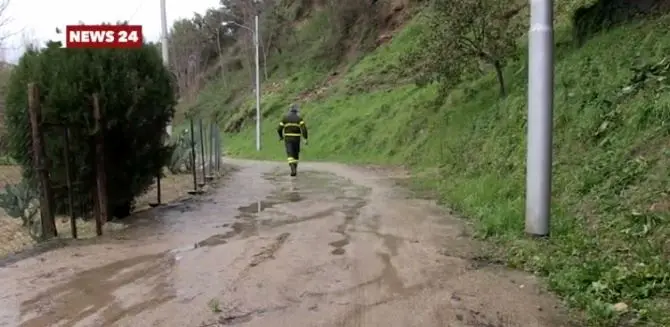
<point x="217" y="149"/>
<point x="211" y="148"/>
<point x="540" y="117"/>
<point x="164" y="34"/>
<point x="164" y="48"/>
<point x="202" y="150"/>
<point x="193" y="159"/>
<point x="258" y="85"/>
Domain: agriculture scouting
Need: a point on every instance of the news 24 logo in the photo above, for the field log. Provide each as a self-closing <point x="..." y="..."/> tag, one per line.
<point x="103" y="36"/>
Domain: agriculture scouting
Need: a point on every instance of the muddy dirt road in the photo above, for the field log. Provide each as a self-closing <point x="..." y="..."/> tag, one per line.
<point x="336" y="246"/>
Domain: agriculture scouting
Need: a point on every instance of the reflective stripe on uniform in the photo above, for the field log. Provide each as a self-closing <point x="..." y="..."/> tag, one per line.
<point x="302" y="122"/>
<point x="286" y="125"/>
<point x="292" y="160"/>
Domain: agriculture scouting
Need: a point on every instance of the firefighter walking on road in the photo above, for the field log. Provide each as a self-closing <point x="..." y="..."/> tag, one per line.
<point x="290" y="130"/>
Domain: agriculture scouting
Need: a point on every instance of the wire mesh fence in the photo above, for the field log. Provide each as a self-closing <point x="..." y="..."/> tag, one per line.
<point x="205" y="152"/>
<point x="55" y="189"/>
<point x="51" y="190"/>
<point x="13" y="231"/>
<point x="49" y="194"/>
<point x="195" y="162"/>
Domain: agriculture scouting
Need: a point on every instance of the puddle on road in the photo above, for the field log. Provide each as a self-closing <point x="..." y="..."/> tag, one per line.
<point x="257" y="207"/>
<point x="350" y="198"/>
<point x="276" y="198"/>
<point x="351" y="211"/>
<point x="106" y="294"/>
<point x="338" y="251"/>
<point x="213" y="240"/>
<point x="391" y="242"/>
<point x="339" y="246"/>
<point x="390" y="276"/>
<point x="216" y="239"/>
<point x="340" y="243"/>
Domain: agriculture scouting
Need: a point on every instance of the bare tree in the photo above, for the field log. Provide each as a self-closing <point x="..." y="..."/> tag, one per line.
<point x="191" y="50"/>
<point x="4" y="21"/>
<point x="29" y="41"/>
<point x="242" y="12"/>
<point x="183" y="43"/>
<point x="465" y="34"/>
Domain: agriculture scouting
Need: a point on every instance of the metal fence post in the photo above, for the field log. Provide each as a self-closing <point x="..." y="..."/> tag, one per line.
<point x="211" y="149"/>
<point x="193" y="161"/>
<point x="202" y="151"/>
<point x="158" y="190"/>
<point x="219" y="148"/>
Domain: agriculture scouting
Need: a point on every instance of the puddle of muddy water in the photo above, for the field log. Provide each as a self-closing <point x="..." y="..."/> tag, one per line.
<point x="339" y="246"/>
<point x="271" y="201"/>
<point x="338" y="251"/>
<point x="108" y="293"/>
<point x="340" y="243"/>
<point x="314" y="184"/>
<point x="214" y="240"/>
<point x="257" y="207"/>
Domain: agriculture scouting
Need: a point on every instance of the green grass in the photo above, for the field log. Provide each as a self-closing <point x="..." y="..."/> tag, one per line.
<point x="612" y="152"/>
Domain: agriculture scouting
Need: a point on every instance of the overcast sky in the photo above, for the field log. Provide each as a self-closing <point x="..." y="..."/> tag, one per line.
<point x="38" y="19"/>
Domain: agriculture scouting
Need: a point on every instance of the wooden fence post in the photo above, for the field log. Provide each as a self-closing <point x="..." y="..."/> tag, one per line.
<point x="68" y="177"/>
<point x="100" y="172"/>
<point x="40" y="163"/>
<point x="96" y="214"/>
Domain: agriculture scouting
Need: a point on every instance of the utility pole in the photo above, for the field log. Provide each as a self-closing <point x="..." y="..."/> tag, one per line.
<point x="164" y="48"/>
<point x="540" y="117"/>
<point x="256" y="36"/>
<point x="258" y="84"/>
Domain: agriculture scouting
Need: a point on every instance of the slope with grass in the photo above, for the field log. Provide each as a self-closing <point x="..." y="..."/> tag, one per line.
<point x="609" y="242"/>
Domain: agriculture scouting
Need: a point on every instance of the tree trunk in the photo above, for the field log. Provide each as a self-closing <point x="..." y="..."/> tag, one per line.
<point x="265" y="57"/>
<point x="220" y="52"/>
<point x="501" y="78"/>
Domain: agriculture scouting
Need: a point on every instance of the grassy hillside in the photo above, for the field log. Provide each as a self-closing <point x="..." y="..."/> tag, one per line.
<point x="612" y="149"/>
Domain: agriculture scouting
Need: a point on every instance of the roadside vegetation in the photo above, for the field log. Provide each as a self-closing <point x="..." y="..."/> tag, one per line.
<point x="136" y="96"/>
<point x="133" y="93"/>
<point x="440" y="87"/>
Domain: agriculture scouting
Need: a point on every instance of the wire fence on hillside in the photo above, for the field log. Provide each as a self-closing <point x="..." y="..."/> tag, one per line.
<point x="205" y="152"/>
<point x="51" y="197"/>
<point x="197" y="151"/>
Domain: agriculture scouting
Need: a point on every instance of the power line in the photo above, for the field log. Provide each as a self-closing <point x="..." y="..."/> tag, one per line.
<point x="137" y="10"/>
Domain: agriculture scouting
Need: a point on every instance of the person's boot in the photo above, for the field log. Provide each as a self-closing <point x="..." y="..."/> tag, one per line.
<point x="294" y="169"/>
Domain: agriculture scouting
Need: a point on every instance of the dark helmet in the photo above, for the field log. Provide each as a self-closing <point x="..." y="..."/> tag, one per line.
<point x="294" y="108"/>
